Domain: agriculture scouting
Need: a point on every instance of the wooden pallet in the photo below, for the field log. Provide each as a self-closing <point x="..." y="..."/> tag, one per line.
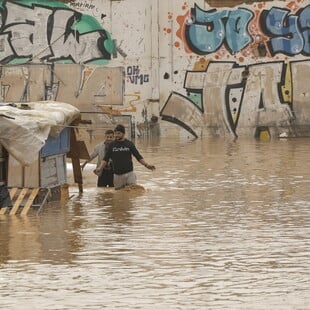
<point x="22" y="198"/>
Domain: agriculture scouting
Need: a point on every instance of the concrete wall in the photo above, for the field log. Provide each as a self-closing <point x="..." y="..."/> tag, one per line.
<point x="234" y="71"/>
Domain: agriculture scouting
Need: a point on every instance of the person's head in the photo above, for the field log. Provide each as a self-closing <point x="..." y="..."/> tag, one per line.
<point x="109" y="135"/>
<point x="119" y="132"/>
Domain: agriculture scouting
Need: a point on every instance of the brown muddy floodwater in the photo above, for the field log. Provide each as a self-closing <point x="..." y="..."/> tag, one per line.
<point x="220" y="225"/>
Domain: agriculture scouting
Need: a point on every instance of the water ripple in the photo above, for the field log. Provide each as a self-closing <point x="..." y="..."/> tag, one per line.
<point x="217" y="227"/>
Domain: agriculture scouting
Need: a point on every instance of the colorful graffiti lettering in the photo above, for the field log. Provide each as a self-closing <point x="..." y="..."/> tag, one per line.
<point x="247" y="98"/>
<point x="49" y="31"/>
<point x="284" y="31"/>
<point x="211" y="29"/>
<point x="286" y="35"/>
<point x="134" y="76"/>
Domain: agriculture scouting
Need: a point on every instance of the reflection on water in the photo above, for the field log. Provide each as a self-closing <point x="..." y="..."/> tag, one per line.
<point x="220" y="225"/>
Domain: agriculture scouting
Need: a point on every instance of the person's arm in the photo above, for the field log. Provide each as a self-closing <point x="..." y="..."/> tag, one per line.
<point x="104" y="162"/>
<point x="84" y="164"/>
<point x="139" y="157"/>
<point x="146" y="165"/>
<point x="98" y="170"/>
<point x="93" y="155"/>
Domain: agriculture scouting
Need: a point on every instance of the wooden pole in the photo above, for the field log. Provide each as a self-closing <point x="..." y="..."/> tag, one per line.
<point x="75" y="158"/>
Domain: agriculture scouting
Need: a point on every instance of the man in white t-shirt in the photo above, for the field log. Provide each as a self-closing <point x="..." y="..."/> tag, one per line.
<point x="105" y="179"/>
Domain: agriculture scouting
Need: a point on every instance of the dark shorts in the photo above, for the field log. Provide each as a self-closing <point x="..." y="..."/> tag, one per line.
<point x="106" y="178"/>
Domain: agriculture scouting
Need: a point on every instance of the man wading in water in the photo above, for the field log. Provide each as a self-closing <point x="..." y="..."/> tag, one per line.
<point x="105" y="179"/>
<point x="120" y="151"/>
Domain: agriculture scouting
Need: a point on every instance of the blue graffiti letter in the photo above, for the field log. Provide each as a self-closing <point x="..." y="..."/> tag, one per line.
<point x="287" y="38"/>
<point x="304" y="20"/>
<point x="237" y="36"/>
<point x="207" y="32"/>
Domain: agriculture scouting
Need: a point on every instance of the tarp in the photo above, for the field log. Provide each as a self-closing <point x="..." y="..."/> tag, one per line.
<point x="24" y="127"/>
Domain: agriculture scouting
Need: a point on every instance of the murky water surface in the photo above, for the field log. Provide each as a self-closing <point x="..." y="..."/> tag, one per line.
<point x="220" y="225"/>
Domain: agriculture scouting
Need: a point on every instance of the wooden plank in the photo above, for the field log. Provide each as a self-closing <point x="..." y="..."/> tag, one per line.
<point x="13" y="192"/>
<point x="77" y="173"/>
<point x="76" y="165"/>
<point x="3" y="210"/>
<point x="79" y="149"/>
<point x="30" y="200"/>
<point x="19" y="201"/>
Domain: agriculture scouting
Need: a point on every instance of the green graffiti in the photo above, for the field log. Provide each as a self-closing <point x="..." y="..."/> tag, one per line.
<point x="83" y="25"/>
<point x="109" y="44"/>
<point x="19" y="61"/>
<point x="87" y="24"/>
<point x="99" y="62"/>
<point x="197" y="99"/>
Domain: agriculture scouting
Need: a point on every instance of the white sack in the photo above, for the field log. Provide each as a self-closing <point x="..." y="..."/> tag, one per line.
<point x="23" y="132"/>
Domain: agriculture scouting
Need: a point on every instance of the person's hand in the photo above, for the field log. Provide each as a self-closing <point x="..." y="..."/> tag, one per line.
<point x="97" y="171"/>
<point x="151" y="167"/>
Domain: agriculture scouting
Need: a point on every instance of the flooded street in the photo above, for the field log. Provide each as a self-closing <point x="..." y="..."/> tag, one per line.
<point x="220" y="225"/>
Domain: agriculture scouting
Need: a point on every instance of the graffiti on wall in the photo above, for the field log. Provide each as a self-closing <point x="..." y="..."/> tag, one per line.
<point x="134" y="76"/>
<point x="256" y="32"/>
<point x="49" y="31"/>
<point x="208" y="31"/>
<point x="240" y="100"/>
<point x="244" y="81"/>
<point x="289" y="33"/>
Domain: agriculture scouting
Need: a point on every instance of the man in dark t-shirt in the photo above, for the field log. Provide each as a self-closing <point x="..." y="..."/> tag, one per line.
<point x="120" y="151"/>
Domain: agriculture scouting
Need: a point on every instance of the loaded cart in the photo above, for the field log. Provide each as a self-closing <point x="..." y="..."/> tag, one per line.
<point x="34" y="142"/>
